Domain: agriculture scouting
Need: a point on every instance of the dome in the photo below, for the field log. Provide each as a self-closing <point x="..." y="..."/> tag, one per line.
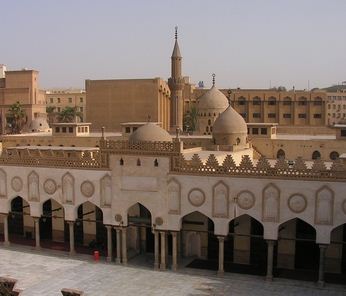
<point x="213" y="99"/>
<point x="230" y="122"/>
<point x="150" y="132"/>
<point x="38" y="124"/>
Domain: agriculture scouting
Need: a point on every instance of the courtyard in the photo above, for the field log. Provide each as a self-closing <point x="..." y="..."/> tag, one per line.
<point x="46" y="272"/>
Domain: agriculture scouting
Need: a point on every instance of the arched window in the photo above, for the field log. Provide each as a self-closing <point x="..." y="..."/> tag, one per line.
<point x="238" y="141"/>
<point x="318" y="101"/>
<point x="302" y="101"/>
<point x="272" y="101"/>
<point x="287" y="101"/>
<point x="209" y="122"/>
<point x="334" y="155"/>
<point x="207" y="129"/>
<point x="241" y="101"/>
<point x="316" y="155"/>
<point x="121" y="161"/>
<point x="156" y="162"/>
<point x="280" y="154"/>
<point x="256" y="101"/>
<point x="138" y="162"/>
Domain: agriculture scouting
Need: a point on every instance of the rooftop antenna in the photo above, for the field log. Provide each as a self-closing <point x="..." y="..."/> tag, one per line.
<point x="213" y="75"/>
<point x="176" y="32"/>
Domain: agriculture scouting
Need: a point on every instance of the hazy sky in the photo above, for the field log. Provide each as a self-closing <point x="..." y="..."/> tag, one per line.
<point x="247" y="43"/>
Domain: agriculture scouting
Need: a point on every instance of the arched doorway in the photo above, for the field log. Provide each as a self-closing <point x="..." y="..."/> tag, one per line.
<point x="21" y="227"/>
<point x="52" y="226"/>
<point x="199" y="241"/>
<point x="335" y="256"/>
<point x="297" y="252"/>
<point x="140" y="236"/>
<point x="89" y="231"/>
<point x="245" y="248"/>
<point x="280" y="154"/>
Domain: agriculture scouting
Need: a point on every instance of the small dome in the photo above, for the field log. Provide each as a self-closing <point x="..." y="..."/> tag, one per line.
<point x="38" y="124"/>
<point x="230" y="122"/>
<point x="213" y="99"/>
<point x="150" y="132"/>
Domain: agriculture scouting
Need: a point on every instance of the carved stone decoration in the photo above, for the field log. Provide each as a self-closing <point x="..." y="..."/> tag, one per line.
<point x="87" y="188"/>
<point x="118" y="218"/>
<point x="174" y="197"/>
<point x="3" y="184"/>
<point x="106" y="191"/>
<point x="68" y="188"/>
<point x="196" y="197"/>
<point x="246" y="199"/>
<point x="344" y="206"/>
<point x="158" y="221"/>
<point x="49" y="186"/>
<point x="17" y="184"/>
<point x="324" y="206"/>
<point x="33" y="187"/>
<point x="220" y="200"/>
<point x="297" y="203"/>
<point x="271" y="204"/>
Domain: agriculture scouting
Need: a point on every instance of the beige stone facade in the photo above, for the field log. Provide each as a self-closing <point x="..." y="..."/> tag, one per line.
<point x="21" y="86"/>
<point x="62" y="98"/>
<point x="112" y="102"/>
<point x="336" y="108"/>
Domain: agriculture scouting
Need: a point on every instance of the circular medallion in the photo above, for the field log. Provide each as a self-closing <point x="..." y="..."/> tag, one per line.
<point x="297" y="203"/>
<point x="49" y="186"/>
<point x="118" y="218"/>
<point x="87" y="188"/>
<point x="196" y="197"/>
<point x="17" y="184"/>
<point x="158" y="221"/>
<point x="246" y="200"/>
<point x="344" y="206"/>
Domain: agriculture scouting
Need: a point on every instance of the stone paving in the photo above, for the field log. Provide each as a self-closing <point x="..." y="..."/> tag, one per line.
<point x="45" y="273"/>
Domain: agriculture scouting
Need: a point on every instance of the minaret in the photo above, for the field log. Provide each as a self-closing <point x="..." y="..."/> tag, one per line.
<point x="176" y="85"/>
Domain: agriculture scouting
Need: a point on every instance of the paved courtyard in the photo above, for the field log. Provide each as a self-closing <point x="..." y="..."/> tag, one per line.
<point x="45" y="274"/>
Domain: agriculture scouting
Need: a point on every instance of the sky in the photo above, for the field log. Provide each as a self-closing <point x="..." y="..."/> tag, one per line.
<point x="246" y="43"/>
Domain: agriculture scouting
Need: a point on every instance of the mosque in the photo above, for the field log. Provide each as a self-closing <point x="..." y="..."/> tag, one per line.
<point x="220" y="205"/>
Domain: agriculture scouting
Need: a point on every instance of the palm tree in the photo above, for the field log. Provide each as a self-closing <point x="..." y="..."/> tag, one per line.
<point x="69" y="114"/>
<point x="190" y="119"/>
<point x="15" y="117"/>
<point x="50" y="114"/>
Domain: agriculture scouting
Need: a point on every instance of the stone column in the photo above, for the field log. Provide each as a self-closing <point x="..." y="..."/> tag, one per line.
<point x="163" y="251"/>
<point x="157" y="251"/>
<point x="118" y="259"/>
<point x="109" y="243"/>
<point x="37" y="232"/>
<point x="6" y="238"/>
<point x="174" y="251"/>
<point x="221" y="239"/>
<point x="270" y="255"/>
<point x="321" y="266"/>
<point x="124" y="245"/>
<point x="71" y="231"/>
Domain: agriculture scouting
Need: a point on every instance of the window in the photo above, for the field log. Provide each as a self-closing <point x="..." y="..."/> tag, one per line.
<point x="286" y="115"/>
<point x="138" y="162"/>
<point x="64" y="129"/>
<point x="343" y="133"/>
<point x="318" y="102"/>
<point x="301" y="115"/>
<point x="317" y="115"/>
<point x="280" y="154"/>
<point x="59" y="109"/>
<point x="209" y="122"/>
<point x="57" y="129"/>
<point x="334" y="155"/>
<point x="272" y="101"/>
<point x="207" y="129"/>
<point x="81" y="109"/>
<point x="255" y="131"/>
<point x="256" y="115"/>
<point x="70" y="100"/>
<point x="256" y="101"/>
<point x="271" y="115"/>
<point x="81" y="100"/>
<point x="156" y="163"/>
<point x="328" y="106"/>
<point x="70" y="129"/>
<point x="51" y="100"/>
<point x="316" y="155"/>
<point x="241" y="101"/>
<point x="263" y="131"/>
<point x="127" y="130"/>
<point x="287" y="101"/>
<point x="121" y="162"/>
<point x="302" y="101"/>
<point x="58" y="100"/>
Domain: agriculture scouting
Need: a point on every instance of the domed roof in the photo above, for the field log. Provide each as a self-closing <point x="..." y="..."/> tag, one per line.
<point x="150" y="132"/>
<point x="213" y="99"/>
<point x="230" y="122"/>
<point x="38" y="124"/>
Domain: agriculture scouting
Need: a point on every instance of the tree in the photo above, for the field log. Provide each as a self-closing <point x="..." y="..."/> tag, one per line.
<point x="50" y="113"/>
<point x="190" y="119"/>
<point x="16" y="117"/>
<point x="69" y="114"/>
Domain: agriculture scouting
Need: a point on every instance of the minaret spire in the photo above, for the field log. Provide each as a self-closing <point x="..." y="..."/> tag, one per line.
<point x="176" y="32"/>
<point x="213" y="75"/>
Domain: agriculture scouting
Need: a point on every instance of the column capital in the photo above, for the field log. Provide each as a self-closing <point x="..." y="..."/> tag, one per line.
<point x="36" y="218"/>
<point x="221" y="237"/>
<point x="108" y="226"/>
<point x="271" y="241"/>
<point x="70" y="222"/>
<point x="323" y="246"/>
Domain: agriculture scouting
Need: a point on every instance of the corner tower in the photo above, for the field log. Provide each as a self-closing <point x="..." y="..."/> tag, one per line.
<point x="176" y="85"/>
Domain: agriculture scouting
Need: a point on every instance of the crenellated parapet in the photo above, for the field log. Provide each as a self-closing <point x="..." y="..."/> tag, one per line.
<point x="263" y="168"/>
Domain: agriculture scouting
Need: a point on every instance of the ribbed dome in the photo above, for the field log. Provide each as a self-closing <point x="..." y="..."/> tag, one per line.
<point x="230" y="122"/>
<point x="213" y="99"/>
<point x="150" y="132"/>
